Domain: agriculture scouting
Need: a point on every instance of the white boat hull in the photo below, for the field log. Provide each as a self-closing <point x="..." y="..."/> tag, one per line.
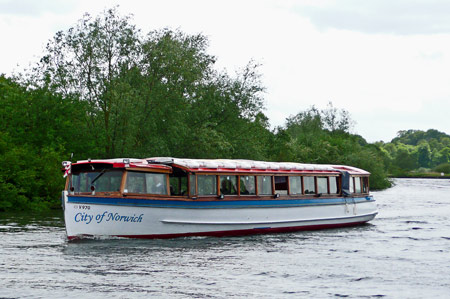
<point x="84" y="218"/>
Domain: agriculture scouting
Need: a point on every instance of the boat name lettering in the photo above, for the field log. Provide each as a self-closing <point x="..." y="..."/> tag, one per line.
<point x="118" y="218"/>
<point x="106" y="217"/>
<point x="83" y="217"/>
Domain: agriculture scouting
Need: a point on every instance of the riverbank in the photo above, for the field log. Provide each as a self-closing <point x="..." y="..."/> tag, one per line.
<point x="423" y="175"/>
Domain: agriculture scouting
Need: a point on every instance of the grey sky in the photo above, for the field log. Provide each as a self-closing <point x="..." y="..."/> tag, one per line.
<point x="401" y="17"/>
<point x="35" y="8"/>
<point x="386" y="62"/>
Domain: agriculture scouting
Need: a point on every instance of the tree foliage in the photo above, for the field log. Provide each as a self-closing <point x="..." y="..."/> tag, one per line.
<point x="413" y="149"/>
<point x="149" y="95"/>
<point x="322" y="136"/>
<point x="36" y="127"/>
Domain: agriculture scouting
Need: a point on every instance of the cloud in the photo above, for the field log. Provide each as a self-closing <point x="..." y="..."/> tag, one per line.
<point x="383" y="61"/>
<point x="401" y="17"/>
<point x="35" y="8"/>
<point x="383" y="124"/>
<point x="436" y="55"/>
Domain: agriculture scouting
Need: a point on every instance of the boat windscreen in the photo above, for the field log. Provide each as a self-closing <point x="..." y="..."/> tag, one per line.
<point x="102" y="180"/>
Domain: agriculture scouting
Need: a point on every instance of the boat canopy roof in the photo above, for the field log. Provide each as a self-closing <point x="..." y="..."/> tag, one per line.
<point x="224" y="165"/>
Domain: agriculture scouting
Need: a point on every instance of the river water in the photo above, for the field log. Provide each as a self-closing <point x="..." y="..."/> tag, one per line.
<point x="403" y="253"/>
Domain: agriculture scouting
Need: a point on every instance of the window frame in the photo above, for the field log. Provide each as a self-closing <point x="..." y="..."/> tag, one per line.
<point x="254" y="184"/>
<point x="180" y="185"/>
<point x="359" y="179"/>
<point x="125" y="182"/>
<point x="284" y="191"/>
<point x="219" y="187"/>
<point x="302" y="190"/>
<point x="197" y="187"/>
<point x="314" y="184"/>
<point x="272" y="185"/>
<point x="327" y="187"/>
<point x="337" y="178"/>
<point x="192" y="185"/>
<point x="366" y="184"/>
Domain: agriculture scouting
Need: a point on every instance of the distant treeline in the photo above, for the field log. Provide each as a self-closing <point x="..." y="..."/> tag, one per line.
<point x="103" y="90"/>
<point x="415" y="151"/>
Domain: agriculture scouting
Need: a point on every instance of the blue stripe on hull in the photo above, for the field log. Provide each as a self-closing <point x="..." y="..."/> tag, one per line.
<point x="218" y="204"/>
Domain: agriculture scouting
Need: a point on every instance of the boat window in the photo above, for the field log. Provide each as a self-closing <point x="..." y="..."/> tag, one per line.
<point x="322" y="184"/>
<point x="281" y="185"/>
<point x="264" y="185"/>
<point x="357" y="184"/>
<point x="228" y="184"/>
<point x="207" y="184"/>
<point x="310" y="187"/>
<point x="295" y="185"/>
<point x="192" y="184"/>
<point x="105" y="181"/>
<point x="247" y="185"/>
<point x="365" y="185"/>
<point x="178" y="185"/>
<point x="135" y="183"/>
<point x="352" y="185"/>
<point x="333" y="184"/>
<point x="146" y="183"/>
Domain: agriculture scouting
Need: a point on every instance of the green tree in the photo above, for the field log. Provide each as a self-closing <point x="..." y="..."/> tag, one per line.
<point x="155" y="95"/>
<point x="321" y="136"/>
<point x="417" y="149"/>
<point x="337" y="120"/>
<point x="88" y="61"/>
<point x="444" y="167"/>
<point x="424" y="155"/>
<point x="36" y="128"/>
<point x="406" y="158"/>
<point x="441" y="157"/>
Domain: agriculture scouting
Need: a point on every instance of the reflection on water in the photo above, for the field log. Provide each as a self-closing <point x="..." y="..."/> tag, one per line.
<point x="403" y="253"/>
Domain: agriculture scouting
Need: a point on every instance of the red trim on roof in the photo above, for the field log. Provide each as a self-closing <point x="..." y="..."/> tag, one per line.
<point x="116" y="164"/>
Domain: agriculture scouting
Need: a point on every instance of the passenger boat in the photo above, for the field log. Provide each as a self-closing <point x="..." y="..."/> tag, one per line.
<point x="170" y="197"/>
